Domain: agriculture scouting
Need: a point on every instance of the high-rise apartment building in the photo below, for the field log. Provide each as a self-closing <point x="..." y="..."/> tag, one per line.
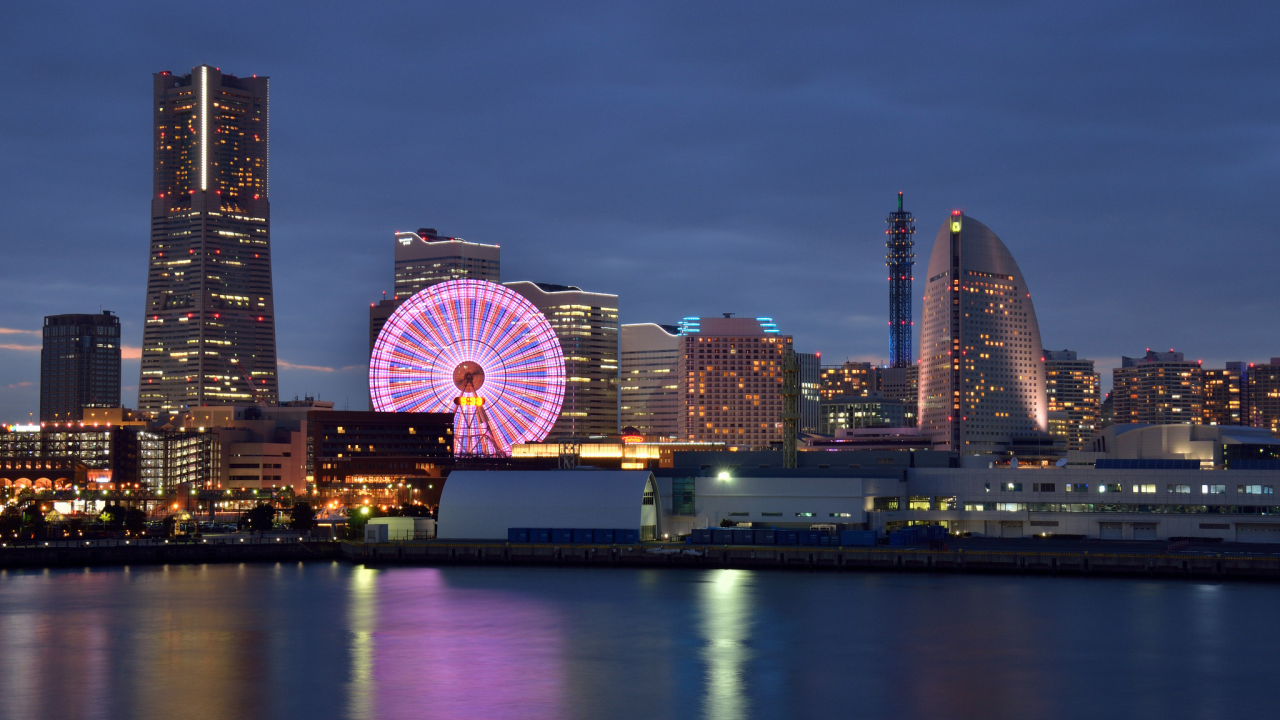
<point x="1071" y="386"/>
<point x="79" y="365"/>
<point x="425" y="258"/>
<point x="209" y="333"/>
<point x="1226" y="395"/>
<point x="1264" y="395"/>
<point x="731" y="380"/>
<point x="1157" y="389"/>
<point x="587" y="325"/>
<point x="982" y="380"/>
<point x="849" y="379"/>
<point x="649" y="391"/>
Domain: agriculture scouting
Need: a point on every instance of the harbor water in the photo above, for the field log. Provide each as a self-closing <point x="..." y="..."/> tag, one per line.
<point x="333" y="640"/>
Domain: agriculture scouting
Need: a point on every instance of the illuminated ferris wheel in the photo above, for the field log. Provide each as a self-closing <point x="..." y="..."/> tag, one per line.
<point x="478" y="350"/>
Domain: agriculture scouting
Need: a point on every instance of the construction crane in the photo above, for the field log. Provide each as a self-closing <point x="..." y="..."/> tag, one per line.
<point x="790" y="407"/>
<point x="257" y="398"/>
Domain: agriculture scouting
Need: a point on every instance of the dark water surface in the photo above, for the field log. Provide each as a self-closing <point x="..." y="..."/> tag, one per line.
<point x="331" y="641"/>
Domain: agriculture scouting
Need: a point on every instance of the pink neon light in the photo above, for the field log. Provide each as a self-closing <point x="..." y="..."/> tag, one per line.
<point x="445" y="325"/>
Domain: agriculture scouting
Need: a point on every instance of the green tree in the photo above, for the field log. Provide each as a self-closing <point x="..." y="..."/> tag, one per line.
<point x="11" y="521"/>
<point x="135" y="521"/>
<point x="33" y="520"/>
<point x="169" y="525"/>
<point x="411" y="510"/>
<point x="260" y="518"/>
<point x="302" y="517"/>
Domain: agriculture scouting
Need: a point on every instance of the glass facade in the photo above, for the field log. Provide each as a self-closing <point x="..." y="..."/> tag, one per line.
<point x="79" y="365"/>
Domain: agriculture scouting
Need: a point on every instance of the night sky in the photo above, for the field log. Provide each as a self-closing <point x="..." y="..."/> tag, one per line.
<point x="694" y="158"/>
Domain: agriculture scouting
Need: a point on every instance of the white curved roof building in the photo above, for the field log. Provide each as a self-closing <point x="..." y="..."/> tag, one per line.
<point x="483" y="504"/>
<point x="982" y="375"/>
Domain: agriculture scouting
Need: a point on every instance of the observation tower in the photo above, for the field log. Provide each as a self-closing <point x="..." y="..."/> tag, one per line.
<point x="900" y="260"/>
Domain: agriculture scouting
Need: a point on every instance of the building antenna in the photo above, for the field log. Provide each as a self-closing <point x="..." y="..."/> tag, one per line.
<point x="900" y="259"/>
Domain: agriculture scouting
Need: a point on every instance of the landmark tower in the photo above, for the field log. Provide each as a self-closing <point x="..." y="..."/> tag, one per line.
<point x="209" y="333"/>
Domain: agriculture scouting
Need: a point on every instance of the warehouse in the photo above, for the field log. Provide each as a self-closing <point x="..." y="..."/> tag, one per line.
<point x="484" y="505"/>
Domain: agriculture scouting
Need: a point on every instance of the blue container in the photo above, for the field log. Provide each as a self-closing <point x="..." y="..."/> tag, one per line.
<point x="540" y="535"/>
<point x="626" y="536"/>
<point x="824" y="539"/>
<point x="787" y="537"/>
<point x="743" y="537"/>
<point x="561" y="535"/>
<point x="604" y="536"/>
<point x="810" y="537"/>
<point x="701" y="536"/>
<point x="518" y="535"/>
<point x="897" y="538"/>
<point x="721" y="536"/>
<point x="858" y="538"/>
<point x="583" y="536"/>
<point x="766" y="537"/>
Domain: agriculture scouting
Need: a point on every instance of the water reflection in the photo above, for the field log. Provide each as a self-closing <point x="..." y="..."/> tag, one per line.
<point x="725" y="610"/>
<point x="332" y="641"/>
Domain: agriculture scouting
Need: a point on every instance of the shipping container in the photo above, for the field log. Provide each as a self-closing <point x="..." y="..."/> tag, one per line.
<point x="788" y="537"/>
<point x="701" y="536"/>
<point x="743" y="537"/>
<point x="561" y="535"/>
<point x="604" y="536"/>
<point x="518" y="535"/>
<point x="858" y="538"/>
<point x="721" y="536"/>
<point x="583" y="536"/>
<point x="540" y="535"/>
<point x="626" y="536"/>
<point x="766" y="537"/>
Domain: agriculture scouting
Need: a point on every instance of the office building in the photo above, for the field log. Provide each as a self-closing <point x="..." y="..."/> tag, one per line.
<point x="649" y="391"/>
<point x="1226" y="395"/>
<point x="209" y="330"/>
<point x="1264" y="395"/>
<point x="731" y="380"/>
<point x="381" y="458"/>
<point x="1158" y="388"/>
<point x="855" y="411"/>
<point x="902" y="384"/>
<point x="587" y="325"/>
<point x="424" y="258"/>
<point x="982" y="378"/>
<point x="61" y="455"/>
<point x="1071" y="386"/>
<point x="810" y="379"/>
<point x="900" y="260"/>
<point x="79" y="365"/>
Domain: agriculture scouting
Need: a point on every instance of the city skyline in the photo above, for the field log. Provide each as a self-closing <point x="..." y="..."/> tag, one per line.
<point x="1111" y="242"/>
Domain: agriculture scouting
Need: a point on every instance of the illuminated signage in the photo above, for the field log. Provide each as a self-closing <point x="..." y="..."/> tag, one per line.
<point x="469" y="401"/>
<point x="99" y="476"/>
<point x="24" y="428"/>
<point x="955" y="222"/>
<point x="629" y="439"/>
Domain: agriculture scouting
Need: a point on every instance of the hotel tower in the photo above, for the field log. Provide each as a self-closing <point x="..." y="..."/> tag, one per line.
<point x="982" y="373"/>
<point x="209" y="335"/>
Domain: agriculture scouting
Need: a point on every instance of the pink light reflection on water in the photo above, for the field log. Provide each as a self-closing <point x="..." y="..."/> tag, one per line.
<point x="446" y="652"/>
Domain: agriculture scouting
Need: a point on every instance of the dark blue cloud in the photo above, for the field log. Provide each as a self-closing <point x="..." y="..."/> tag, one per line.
<point x="694" y="158"/>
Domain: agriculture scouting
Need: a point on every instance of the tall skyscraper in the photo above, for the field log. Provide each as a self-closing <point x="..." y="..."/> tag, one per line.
<point x="810" y="378"/>
<point x="1264" y="395"/>
<point x="901" y="261"/>
<point x="209" y="333"/>
<point x="425" y="258"/>
<point x="982" y="377"/>
<point x="1159" y="389"/>
<point x="731" y="380"/>
<point x="1071" y="386"/>
<point x="587" y="325"/>
<point x="902" y="383"/>
<point x="649" y="393"/>
<point x="1226" y="395"/>
<point x="79" y="365"/>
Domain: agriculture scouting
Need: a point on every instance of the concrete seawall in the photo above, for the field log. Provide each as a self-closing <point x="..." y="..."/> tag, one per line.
<point x="1199" y="565"/>
<point x="113" y="553"/>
